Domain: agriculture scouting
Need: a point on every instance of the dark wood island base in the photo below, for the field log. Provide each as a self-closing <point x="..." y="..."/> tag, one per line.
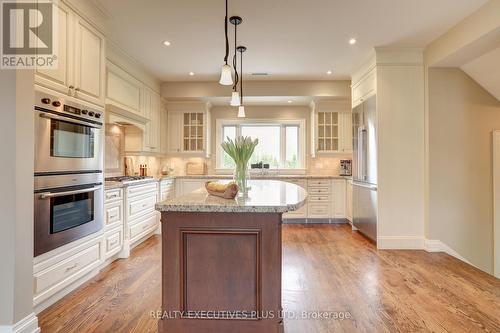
<point x="221" y="272"/>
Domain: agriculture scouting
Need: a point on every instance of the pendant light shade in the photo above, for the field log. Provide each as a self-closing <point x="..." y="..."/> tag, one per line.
<point x="241" y="111"/>
<point x="226" y="76"/>
<point x="235" y="99"/>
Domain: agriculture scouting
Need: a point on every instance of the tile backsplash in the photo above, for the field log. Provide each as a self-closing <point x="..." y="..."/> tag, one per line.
<point x="115" y="159"/>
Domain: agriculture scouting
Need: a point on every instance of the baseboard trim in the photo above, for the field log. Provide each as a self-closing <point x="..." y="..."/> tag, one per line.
<point x="400" y="243"/>
<point x="28" y="324"/>
<point x="435" y="245"/>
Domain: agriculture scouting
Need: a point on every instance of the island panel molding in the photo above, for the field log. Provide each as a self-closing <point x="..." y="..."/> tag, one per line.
<point x="212" y="256"/>
<point x="224" y="273"/>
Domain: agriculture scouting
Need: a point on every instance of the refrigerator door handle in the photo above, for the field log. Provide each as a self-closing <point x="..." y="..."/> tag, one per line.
<point x="362" y="153"/>
<point x="368" y="186"/>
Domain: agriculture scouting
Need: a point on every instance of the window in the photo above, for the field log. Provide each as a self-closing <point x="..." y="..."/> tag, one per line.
<point x="281" y="144"/>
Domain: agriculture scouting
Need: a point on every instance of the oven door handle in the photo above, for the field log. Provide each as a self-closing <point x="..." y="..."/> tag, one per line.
<point x="75" y="121"/>
<point x="47" y="195"/>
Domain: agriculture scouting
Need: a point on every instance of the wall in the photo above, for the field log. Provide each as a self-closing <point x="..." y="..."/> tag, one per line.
<point x="16" y="199"/>
<point x="462" y="116"/>
<point x="326" y="165"/>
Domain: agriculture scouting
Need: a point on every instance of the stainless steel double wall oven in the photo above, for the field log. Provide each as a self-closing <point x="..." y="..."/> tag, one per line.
<point x="68" y="171"/>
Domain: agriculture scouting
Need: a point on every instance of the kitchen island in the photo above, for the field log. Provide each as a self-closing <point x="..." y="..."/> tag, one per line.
<point x="221" y="259"/>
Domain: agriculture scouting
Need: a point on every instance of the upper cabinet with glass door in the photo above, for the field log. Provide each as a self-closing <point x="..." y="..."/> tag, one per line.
<point x="193" y="131"/>
<point x="331" y="130"/>
<point x="188" y="128"/>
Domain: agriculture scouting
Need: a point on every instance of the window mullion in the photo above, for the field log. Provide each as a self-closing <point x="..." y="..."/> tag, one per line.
<point x="282" y="146"/>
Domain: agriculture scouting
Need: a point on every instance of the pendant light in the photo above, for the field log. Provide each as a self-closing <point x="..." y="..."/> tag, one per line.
<point x="226" y="77"/>
<point x="241" y="108"/>
<point x="235" y="96"/>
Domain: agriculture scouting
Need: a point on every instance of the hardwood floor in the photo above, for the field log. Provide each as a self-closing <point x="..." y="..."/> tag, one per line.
<point x="327" y="269"/>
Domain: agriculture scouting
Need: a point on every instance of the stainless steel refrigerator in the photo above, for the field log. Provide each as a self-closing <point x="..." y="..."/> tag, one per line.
<point x="364" y="168"/>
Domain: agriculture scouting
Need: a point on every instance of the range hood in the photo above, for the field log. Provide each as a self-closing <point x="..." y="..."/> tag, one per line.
<point x="115" y="115"/>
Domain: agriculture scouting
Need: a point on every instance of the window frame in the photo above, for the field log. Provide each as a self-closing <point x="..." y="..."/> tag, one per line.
<point x="300" y="123"/>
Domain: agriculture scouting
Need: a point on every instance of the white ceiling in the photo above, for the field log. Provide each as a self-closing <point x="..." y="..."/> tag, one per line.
<point x="290" y="39"/>
<point x="485" y="70"/>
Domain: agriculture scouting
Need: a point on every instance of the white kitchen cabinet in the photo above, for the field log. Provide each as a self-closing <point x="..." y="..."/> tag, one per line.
<point x="163" y="128"/>
<point x="60" y="79"/>
<point x="187" y="132"/>
<point x="319" y="202"/>
<point x="141" y="218"/>
<point x="174" y="132"/>
<point x="331" y="131"/>
<point x="339" y="199"/>
<point x="56" y="272"/>
<point x="345" y="142"/>
<point x="189" y="128"/>
<point x="364" y="88"/>
<point x="151" y="107"/>
<point x="349" y="200"/>
<point x="123" y="90"/>
<point x="90" y="62"/>
<point x="167" y="189"/>
<point x="81" y="67"/>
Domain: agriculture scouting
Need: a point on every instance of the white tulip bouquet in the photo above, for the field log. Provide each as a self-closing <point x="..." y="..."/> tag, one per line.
<point x="240" y="150"/>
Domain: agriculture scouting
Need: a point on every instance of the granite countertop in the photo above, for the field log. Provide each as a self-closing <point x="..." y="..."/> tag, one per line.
<point x="109" y="185"/>
<point x="265" y="176"/>
<point x="270" y="196"/>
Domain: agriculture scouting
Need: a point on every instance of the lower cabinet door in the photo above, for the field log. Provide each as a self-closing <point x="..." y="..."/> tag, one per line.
<point x="113" y="242"/>
<point x="57" y="275"/>
<point x="141" y="228"/>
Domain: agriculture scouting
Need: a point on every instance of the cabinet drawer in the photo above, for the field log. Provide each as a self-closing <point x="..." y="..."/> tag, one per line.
<point x="113" y="214"/>
<point x="141" y="228"/>
<point x="141" y="206"/>
<point x="319" y="190"/>
<point x="167" y="182"/>
<point x="319" y="198"/>
<point x="318" y="183"/>
<point x="134" y="191"/>
<point x="113" y="241"/>
<point x="318" y="210"/>
<point x="113" y="195"/>
<point x="65" y="269"/>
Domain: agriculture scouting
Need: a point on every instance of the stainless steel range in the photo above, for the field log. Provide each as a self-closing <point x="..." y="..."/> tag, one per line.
<point x="68" y="196"/>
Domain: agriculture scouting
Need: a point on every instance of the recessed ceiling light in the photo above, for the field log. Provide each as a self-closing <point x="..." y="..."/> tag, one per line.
<point x="290" y="101"/>
<point x="329" y="72"/>
<point x="167" y="43"/>
<point x="191" y="73"/>
<point x="352" y="41"/>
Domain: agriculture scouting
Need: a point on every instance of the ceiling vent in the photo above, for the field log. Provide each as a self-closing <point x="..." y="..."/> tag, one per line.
<point x="260" y="74"/>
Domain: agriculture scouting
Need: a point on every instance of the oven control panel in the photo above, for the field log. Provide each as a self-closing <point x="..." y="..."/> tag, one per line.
<point x="60" y="104"/>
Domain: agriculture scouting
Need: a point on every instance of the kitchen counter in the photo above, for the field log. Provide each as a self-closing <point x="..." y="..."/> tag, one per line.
<point x="265" y="176"/>
<point x="108" y="185"/>
<point x="264" y="196"/>
<point x="206" y="240"/>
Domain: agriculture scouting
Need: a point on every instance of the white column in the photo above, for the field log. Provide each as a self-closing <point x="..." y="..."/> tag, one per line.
<point x="16" y="202"/>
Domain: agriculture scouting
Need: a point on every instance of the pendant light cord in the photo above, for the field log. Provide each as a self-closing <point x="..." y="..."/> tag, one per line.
<point x="235" y="57"/>
<point x="227" y="39"/>
<point x="241" y="81"/>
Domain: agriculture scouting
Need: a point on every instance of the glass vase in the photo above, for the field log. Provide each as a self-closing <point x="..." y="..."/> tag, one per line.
<point x="241" y="177"/>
